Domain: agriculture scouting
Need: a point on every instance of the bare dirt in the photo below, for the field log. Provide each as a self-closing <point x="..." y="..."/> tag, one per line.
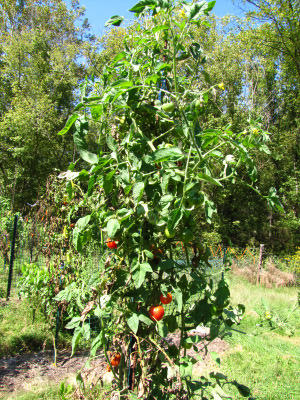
<point x="24" y="372"/>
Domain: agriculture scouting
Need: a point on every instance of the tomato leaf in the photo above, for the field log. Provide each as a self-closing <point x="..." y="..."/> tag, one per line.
<point x="174" y="218"/>
<point x="162" y="329"/>
<point x="115" y="20"/>
<point x="97" y="342"/>
<point x="74" y="323"/>
<point x="178" y="296"/>
<point x="82" y="223"/>
<point x="133" y="322"/>
<point x="75" y="340"/>
<point x="145" y="319"/>
<point x="173" y="153"/>
<point x="137" y="191"/>
<point x="112" y="226"/>
<point x="207" y="178"/>
<point x="68" y="125"/>
<point x="141" y="5"/>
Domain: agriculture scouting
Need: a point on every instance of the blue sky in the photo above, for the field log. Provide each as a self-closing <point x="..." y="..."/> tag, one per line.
<point x="99" y="11"/>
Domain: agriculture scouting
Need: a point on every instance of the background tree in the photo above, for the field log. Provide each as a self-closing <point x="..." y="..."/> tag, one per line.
<point x="41" y="63"/>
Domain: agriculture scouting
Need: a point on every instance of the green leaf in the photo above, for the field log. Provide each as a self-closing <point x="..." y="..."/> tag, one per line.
<point x="97" y="342"/>
<point x="111" y="143"/>
<point x="145" y="319"/>
<point x="139" y="276"/>
<point x="178" y="297"/>
<point x="174" y="218"/>
<point x="133" y="322"/>
<point x="196" y="50"/>
<point x="160" y="28"/>
<point x="172" y="154"/>
<point x="211" y="5"/>
<point x="74" y="323"/>
<point x="207" y="178"/>
<point x="141" y="5"/>
<point x="82" y="223"/>
<point x="115" y="20"/>
<point x="273" y="200"/>
<point x="137" y="191"/>
<point x="196" y="10"/>
<point x="146" y="267"/>
<point x="68" y="125"/>
<point x="75" y="340"/>
<point x="215" y="357"/>
<point x="89" y="157"/>
<point x="162" y="329"/>
<point x="112" y="226"/>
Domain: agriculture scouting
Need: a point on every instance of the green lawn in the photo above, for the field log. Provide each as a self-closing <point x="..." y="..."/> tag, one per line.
<point x="266" y="361"/>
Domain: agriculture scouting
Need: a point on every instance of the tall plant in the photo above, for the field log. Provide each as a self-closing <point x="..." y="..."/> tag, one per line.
<point x="147" y="181"/>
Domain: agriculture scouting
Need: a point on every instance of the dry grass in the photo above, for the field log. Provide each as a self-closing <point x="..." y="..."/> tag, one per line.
<point x="270" y="276"/>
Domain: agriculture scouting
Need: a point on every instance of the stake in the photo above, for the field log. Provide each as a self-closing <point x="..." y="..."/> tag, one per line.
<point x="57" y="319"/>
<point x="12" y="255"/>
<point x="261" y="252"/>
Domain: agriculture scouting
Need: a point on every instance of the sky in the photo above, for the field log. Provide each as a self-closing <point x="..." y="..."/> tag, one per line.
<point x="99" y="11"/>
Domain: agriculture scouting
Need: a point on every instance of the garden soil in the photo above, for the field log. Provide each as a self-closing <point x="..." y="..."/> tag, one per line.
<point x="29" y="372"/>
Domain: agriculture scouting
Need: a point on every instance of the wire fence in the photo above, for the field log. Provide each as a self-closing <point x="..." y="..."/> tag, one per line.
<point x="26" y="247"/>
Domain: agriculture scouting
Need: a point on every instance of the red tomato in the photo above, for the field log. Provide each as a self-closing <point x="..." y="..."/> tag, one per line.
<point x="165" y="300"/>
<point x="72" y="225"/>
<point x="156" y="313"/>
<point x="111" y="244"/>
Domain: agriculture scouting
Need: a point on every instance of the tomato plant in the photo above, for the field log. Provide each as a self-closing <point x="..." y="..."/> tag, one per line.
<point x="146" y="193"/>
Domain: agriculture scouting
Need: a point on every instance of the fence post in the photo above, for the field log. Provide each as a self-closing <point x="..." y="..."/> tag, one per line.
<point x="261" y="252"/>
<point x="12" y="255"/>
<point x="4" y="266"/>
<point x="224" y="259"/>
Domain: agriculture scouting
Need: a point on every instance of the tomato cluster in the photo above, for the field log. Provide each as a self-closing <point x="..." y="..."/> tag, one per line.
<point x="115" y="359"/>
<point x="157" y="312"/>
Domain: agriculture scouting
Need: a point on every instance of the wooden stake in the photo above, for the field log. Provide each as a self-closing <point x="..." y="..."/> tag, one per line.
<point x="261" y="252"/>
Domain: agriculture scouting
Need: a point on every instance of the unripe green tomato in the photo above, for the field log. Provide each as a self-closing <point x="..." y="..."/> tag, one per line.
<point x="198" y="104"/>
<point x="168" y="234"/>
<point x="168" y="107"/>
<point x="215" y="311"/>
<point x="168" y="145"/>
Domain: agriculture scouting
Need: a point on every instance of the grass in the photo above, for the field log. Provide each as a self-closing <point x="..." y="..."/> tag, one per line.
<point x="18" y="333"/>
<point x="37" y="393"/>
<point x="266" y="361"/>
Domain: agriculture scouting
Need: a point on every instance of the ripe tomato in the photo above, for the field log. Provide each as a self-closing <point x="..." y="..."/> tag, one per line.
<point x="156" y="313"/>
<point x="32" y="234"/>
<point x="165" y="300"/>
<point x="72" y="225"/>
<point x="115" y="360"/>
<point x="111" y="244"/>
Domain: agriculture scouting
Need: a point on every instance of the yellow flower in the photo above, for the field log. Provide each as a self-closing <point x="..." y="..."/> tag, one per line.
<point x="182" y="13"/>
<point x="221" y="86"/>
